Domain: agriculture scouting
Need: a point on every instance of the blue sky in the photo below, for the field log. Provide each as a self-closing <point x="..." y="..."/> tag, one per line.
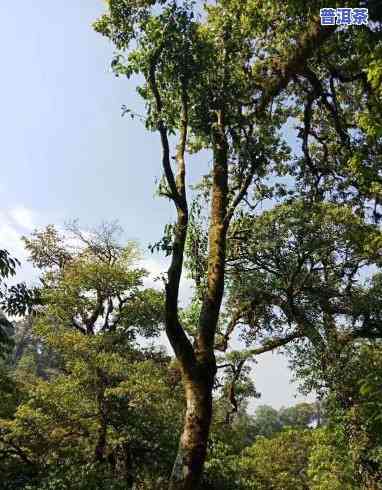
<point x="67" y="152"/>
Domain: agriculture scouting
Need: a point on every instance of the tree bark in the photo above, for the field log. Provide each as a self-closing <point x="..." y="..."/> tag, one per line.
<point x="188" y="466"/>
<point x="198" y="375"/>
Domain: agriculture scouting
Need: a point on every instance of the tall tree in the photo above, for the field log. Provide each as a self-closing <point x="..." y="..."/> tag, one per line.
<point x="223" y="81"/>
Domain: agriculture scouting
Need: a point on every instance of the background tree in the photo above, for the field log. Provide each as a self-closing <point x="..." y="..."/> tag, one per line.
<point x="88" y="394"/>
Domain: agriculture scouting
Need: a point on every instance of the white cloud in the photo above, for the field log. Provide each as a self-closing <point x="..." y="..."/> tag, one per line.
<point x="14" y="223"/>
<point x="159" y="266"/>
<point x="10" y="239"/>
<point x="23" y="217"/>
<point x="155" y="268"/>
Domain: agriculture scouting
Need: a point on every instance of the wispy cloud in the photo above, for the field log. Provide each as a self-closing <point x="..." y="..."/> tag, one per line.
<point x="23" y="218"/>
<point x="14" y="223"/>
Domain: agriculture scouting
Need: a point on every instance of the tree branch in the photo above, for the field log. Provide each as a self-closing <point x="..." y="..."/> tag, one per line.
<point x="174" y="330"/>
<point x="163" y="133"/>
<point x="275" y="343"/>
<point x="310" y="40"/>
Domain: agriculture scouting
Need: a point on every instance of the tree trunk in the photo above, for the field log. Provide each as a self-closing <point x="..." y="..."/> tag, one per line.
<point x="99" y="452"/>
<point x="188" y="466"/>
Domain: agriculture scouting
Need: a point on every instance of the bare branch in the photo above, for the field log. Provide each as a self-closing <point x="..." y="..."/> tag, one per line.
<point x="240" y="195"/>
<point x="275" y="343"/>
